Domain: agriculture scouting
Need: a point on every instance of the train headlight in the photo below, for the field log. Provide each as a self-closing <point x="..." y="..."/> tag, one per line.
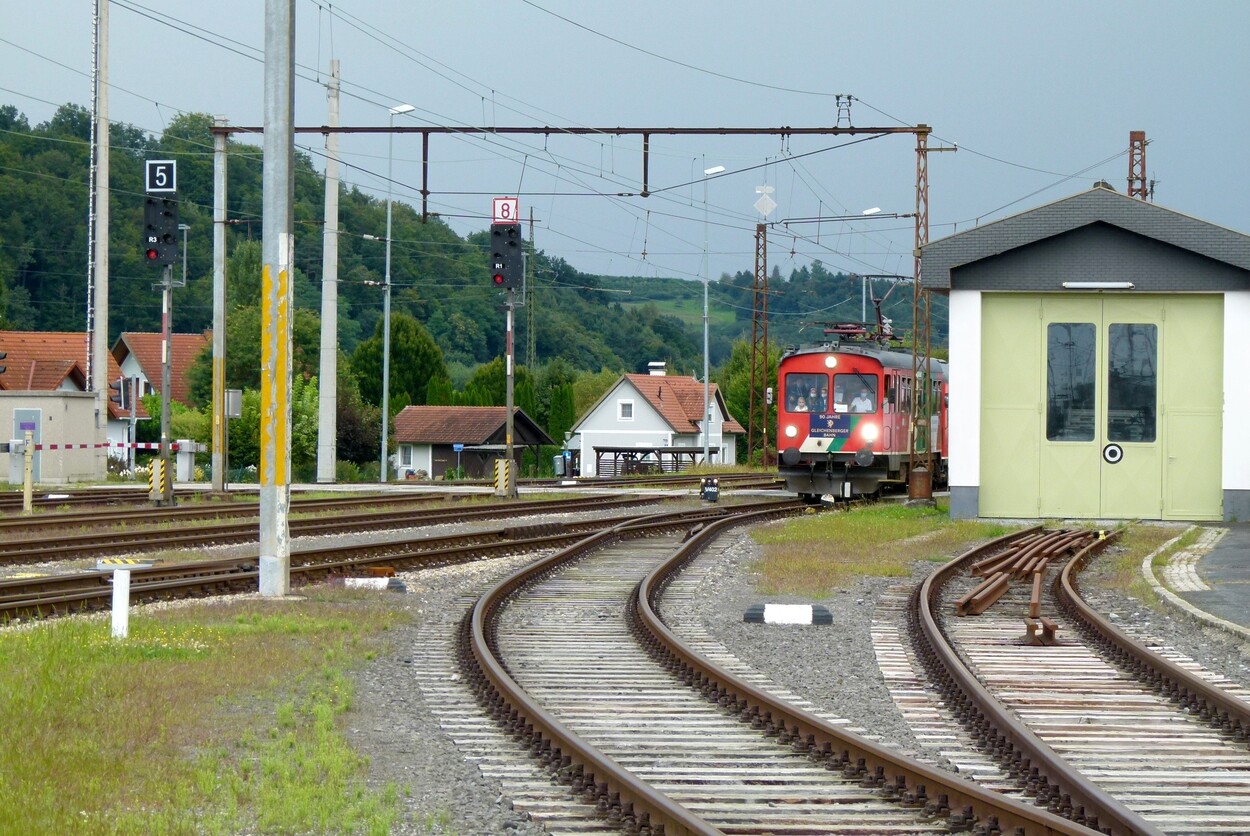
<point x="831" y="361"/>
<point x="791" y="431"/>
<point x="870" y="432"/>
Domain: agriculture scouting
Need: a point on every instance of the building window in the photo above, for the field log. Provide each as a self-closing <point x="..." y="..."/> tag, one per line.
<point x="1132" y="382"/>
<point x="1070" y="350"/>
<point x="405" y="454"/>
<point x="625" y="410"/>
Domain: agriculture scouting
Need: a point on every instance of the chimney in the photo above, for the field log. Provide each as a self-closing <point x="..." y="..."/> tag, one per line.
<point x="656" y="368"/>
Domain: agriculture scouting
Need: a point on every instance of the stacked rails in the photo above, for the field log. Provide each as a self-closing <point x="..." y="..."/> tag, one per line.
<point x="1025" y="559"/>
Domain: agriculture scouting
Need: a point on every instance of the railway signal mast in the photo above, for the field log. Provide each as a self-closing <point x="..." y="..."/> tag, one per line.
<point x="507" y="271"/>
<point x="160" y="246"/>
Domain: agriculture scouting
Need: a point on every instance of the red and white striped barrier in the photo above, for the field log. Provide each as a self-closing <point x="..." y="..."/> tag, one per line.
<point x="138" y="445"/>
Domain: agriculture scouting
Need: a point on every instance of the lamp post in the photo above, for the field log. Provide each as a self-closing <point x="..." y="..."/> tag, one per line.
<point x="386" y="291"/>
<point x="707" y="404"/>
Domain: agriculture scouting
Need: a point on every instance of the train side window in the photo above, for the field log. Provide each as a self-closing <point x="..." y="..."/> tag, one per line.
<point x="1070" y="350"/>
<point x="1132" y="382"/>
<point x="891" y="393"/>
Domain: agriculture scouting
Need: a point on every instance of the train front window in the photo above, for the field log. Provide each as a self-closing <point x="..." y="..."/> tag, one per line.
<point x="854" y="392"/>
<point x="807" y="393"/>
<point x="1132" y="383"/>
<point x="1070" y="381"/>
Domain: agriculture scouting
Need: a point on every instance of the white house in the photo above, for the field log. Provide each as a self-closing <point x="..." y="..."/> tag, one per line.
<point x="652" y="421"/>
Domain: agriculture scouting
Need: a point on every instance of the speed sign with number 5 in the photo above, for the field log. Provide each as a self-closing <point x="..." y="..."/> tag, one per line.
<point x="161" y="176"/>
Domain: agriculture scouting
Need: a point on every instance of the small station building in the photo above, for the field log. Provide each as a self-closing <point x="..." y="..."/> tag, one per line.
<point x="1098" y="357"/>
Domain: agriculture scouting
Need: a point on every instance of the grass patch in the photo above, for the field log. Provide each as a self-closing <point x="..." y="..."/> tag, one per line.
<point x="218" y="718"/>
<point x="817" y="554"/>
<point x="1119" y="567"/>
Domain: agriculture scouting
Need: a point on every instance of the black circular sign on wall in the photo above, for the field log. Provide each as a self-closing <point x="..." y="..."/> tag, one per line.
<point x="1112" y="453"/>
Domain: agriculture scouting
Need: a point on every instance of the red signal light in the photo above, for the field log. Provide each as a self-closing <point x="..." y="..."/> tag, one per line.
<point x="152" y="255"/>
<point x="497" y="278"/>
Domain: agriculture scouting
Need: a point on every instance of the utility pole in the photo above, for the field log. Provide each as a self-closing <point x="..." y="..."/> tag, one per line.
<point x="758" y="408"/>
<point x="1137" y="186"/>
<point x="531" y="340"/>
<point x="98" y="238"/>
<point x="327" y="383"/>
<point x="221" y="438"/>
<point x="276" y="291"/>
<point x="920" y="450"/>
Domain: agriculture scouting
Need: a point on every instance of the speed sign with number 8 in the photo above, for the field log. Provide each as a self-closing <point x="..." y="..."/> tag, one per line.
<point x="506" y="210"/>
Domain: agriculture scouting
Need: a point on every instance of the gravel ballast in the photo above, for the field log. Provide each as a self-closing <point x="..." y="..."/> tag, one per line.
<point x="832" y="666"/>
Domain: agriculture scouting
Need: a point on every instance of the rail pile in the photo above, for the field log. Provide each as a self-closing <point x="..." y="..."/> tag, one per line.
<point x="1025" y="559"/>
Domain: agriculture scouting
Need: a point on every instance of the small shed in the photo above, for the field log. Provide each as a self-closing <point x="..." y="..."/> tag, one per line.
<point x="1095" y="358"/>
<point x="653" y="421"/>
<point x="433" y="440"/>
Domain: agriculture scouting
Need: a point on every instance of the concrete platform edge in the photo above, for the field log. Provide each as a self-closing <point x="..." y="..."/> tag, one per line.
<point x="1147" y="569"/>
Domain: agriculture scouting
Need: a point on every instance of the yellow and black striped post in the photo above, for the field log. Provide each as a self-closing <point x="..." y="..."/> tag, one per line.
<point x="505" y="478"/>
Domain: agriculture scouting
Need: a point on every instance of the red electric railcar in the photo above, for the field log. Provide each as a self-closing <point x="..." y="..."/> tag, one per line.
<point x="844" y="418"/>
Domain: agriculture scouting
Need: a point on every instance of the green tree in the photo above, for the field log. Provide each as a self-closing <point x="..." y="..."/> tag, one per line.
<point x="589" y="388"/>
<point x="440" y="392"/>
<point x="734" y="381"/>
<point x="416" y="361"/>
<point x="489" y="386"/>
<point x="358" y="424"/>
<point x="304" y="425"/>
<point x="562" y="415"/>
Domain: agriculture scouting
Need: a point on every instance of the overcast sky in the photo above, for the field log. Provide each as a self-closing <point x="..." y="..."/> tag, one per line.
<point x="1039" y="98"/>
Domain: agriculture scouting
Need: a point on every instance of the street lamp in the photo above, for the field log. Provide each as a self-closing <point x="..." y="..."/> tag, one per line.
<point x="386" y="288"/>
<point x="707" y="405"/>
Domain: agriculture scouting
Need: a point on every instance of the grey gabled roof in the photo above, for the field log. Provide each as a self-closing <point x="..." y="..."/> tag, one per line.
<point x="1097" y="205"/>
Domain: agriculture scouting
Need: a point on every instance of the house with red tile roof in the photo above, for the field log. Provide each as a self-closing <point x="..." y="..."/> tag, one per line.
<point x="653" y="421"/>
<point x="435" y="439"/>
<point x="42" y="390"/>
<point x="139" y="355"/>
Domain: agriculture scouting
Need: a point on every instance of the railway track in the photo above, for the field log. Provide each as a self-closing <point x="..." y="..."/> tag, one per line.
<point x="1090" y="724"/>
<point x="75" y="592"/>
<point x="571" y="657"/>
<point x="45" y="499"/>
<point x="169" y="529"/>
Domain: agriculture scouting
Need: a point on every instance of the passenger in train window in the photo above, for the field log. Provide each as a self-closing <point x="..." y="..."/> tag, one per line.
<point x="861" y="403"/>
<point x="839" y="400"/>
<point x="823" y="401"/>
<point x="801" y="406"/>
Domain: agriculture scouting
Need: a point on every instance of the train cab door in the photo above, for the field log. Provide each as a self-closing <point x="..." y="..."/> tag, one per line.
<point x="1130" y="432"/>
<point x="1069" y="483"/>
<point x="1102" y="447"/>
